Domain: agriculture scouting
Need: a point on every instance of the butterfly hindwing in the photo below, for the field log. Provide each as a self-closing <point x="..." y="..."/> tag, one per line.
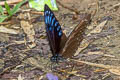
<point x="75" y="38"/>
<point x="53" y="29"/>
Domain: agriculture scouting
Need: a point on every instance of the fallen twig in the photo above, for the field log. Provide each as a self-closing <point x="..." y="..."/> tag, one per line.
<point x="10" y="2"/>
<point x="4" y="23"/>
<point x="36" y="12"/>
<point x="76" y="11"/>
<point x="116" y="5"/>
<point x="112" y="69"/>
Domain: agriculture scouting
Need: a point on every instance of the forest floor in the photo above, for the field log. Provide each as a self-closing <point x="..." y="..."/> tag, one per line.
<point x="99" y="60"/>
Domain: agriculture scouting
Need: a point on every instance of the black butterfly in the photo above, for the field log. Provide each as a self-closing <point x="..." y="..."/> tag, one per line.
<point x="60" y="44"/>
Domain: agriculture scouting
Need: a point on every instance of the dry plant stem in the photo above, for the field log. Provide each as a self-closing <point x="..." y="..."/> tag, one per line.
<point x="10" y="2"/>
<point x="76" y="11"/>
<point x="32" y="12"/>
<point x="8" y="69"/>
<point x="4" y="23"/>
<point x="98" y="65"/>
<point x="36" y="12"/>
<point x="116" y="5"/>
<point x="97" y="2"/>
<point x="74" y="73"/>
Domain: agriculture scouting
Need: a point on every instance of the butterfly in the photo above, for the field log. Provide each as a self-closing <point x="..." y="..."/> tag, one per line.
<point x="60" y="44"/>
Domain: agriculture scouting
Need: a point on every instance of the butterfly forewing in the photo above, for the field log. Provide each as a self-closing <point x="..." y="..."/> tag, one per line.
<point x="53" y="29"/>
<point x="75" y="38"/>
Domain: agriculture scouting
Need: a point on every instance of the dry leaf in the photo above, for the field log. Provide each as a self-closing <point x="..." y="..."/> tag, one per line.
<point x="6" y="30"/>
<point x="85" y="42"/>
<point x="28" y="29"/>
<point x="115" y="71"/>
<point x="95" y="52"/>
<point x="82" y="46"/>
<point x="19" y="42"/>
<point x="114" y="6"/>
<point x="99" y="53"/>
<point x="99" y="28"/>
<point x="20" y="77"/>
<point x="34" y="62"/>
<point x="99" y="70"/>
<point x="111" y="68"/>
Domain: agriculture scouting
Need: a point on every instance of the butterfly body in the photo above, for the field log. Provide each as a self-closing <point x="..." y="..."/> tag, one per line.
<point x="60" y="44"/>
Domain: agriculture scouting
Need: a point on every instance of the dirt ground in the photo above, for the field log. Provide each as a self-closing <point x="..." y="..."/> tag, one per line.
<point x="17" y="62"/>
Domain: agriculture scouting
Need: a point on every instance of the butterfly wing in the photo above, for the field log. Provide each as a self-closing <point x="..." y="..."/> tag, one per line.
<point x="75" y="38"/>
<point x="53" y="29"/>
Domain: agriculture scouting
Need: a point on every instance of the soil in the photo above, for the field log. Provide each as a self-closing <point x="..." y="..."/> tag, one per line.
<point x="18" y="62"/>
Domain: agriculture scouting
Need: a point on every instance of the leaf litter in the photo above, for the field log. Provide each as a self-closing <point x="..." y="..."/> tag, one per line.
<point x="36" y="58"/>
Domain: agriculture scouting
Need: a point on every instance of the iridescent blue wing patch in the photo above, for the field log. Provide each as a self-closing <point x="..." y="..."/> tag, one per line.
<point x="53" y="29"/>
